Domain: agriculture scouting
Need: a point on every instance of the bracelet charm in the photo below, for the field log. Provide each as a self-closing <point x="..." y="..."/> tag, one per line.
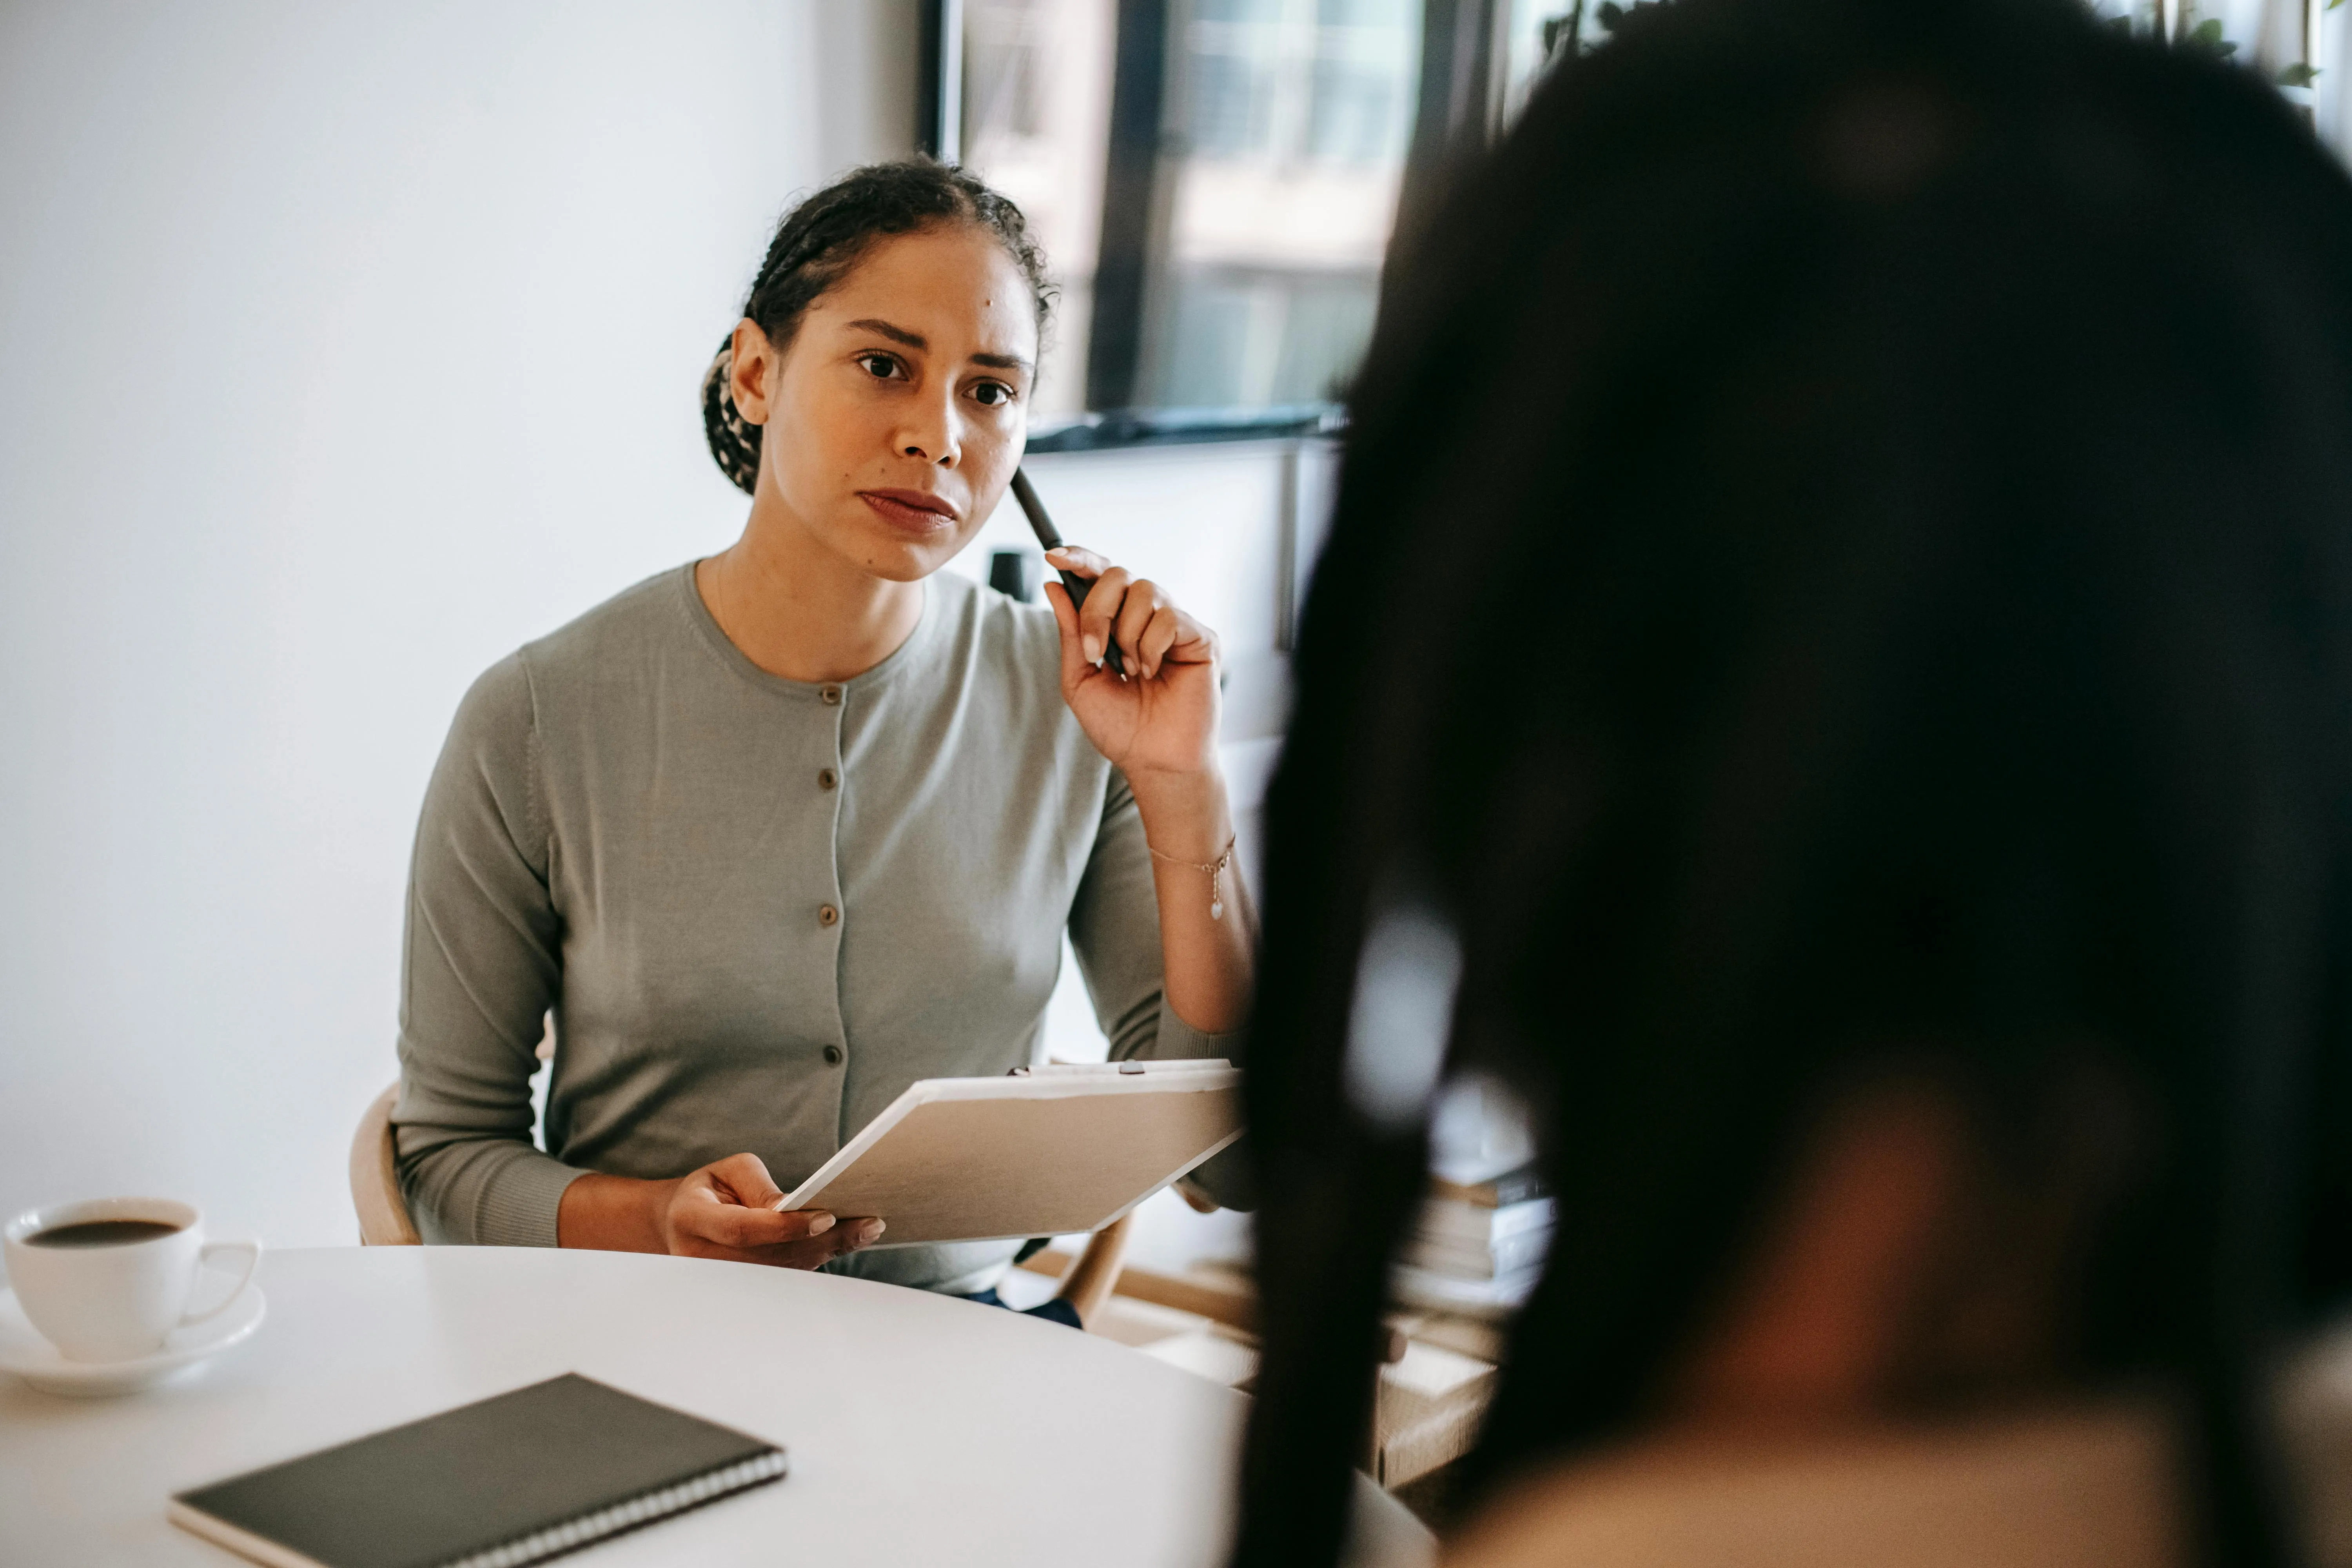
<point x="1215" y="869"/>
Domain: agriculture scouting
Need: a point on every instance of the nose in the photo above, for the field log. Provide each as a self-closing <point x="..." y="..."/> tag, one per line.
<point x="932" y="431"/>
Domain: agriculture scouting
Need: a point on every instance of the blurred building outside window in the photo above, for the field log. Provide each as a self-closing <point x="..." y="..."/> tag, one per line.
<point x="1036" y="125"/>
<point x="1284" y="128"/>
<point x="1291" y="120"/>
<point x="1284" y="133"/>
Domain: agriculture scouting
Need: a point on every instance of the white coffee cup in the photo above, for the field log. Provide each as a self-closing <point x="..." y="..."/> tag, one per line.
<point x="99" y="1299"/>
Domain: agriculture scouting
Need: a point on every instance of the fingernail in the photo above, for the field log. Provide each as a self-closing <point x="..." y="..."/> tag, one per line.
<point x="819" y="1223"/>
<point x="1091" y="645"/>
<point x="874" y="1229"/>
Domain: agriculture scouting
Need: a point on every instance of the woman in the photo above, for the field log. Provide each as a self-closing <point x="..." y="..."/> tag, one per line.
<point x="779" y="832"/>
<point x="1830" y="674"/>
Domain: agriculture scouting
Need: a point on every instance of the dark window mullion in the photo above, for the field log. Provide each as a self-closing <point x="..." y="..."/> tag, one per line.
<point x="1462" y="64"/>
<point x="1132" y="203"/>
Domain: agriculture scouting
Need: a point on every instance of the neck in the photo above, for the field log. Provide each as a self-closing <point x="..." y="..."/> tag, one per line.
<point x="796" y="609"/>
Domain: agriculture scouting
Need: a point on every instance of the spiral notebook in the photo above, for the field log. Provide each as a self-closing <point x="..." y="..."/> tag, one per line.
<point x="517" y="1479"/>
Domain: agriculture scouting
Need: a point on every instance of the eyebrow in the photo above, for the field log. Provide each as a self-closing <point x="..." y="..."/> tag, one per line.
<point x="895" y="334"/>
<point x="917" y="341"/>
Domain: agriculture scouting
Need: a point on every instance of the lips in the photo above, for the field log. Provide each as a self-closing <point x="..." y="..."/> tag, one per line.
<point x="918" y="511"/>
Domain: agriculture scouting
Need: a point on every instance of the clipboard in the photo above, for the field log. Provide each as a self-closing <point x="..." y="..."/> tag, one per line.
<point x="1048" y="1151"/>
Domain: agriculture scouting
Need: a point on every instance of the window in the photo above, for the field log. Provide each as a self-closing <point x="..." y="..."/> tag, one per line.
<point x="1214" y="182"/>
<point x="1289" y="133"/>
<point x="1036" y="124"/>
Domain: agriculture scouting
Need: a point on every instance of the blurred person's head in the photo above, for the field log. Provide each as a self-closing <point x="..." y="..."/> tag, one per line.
<point x="1840" y="607"/>
<point x="875" y="396"/>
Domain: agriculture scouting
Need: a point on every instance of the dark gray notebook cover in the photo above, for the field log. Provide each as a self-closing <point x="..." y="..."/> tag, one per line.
<point x="487" y="1475"/>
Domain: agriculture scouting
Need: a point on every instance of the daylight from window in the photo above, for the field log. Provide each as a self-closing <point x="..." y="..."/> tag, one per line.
<point x="1292" y="118"/>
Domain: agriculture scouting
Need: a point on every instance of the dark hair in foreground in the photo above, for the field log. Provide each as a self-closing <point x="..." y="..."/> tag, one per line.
<point x="822" y="239"/>
<point x="1845" y="549"/>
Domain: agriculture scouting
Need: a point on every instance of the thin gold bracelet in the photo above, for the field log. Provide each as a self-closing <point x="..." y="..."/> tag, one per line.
<point x="1214" y="868"/>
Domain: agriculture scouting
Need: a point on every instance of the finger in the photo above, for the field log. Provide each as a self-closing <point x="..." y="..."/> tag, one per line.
<point x="1193" y="644"/>
<point x="1143" y="601"/>
<point x="848" y="1236"/>
<point x="744" y="1178"/>
<point x="855" y="1234"/>
<point x="1075" y="667"/>
<point x="728" y="1224"/>
<point x="1077" y="560"/>
<point x="1158" y="637"/>
<point x="1097" y="616"/>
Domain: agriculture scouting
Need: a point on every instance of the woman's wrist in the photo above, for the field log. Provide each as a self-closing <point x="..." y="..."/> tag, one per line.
<point x="1185" y="816"/>
<point x="615" y="1213"/>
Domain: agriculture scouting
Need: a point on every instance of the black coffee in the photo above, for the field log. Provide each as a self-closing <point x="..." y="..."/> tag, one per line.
<point x="100" y="1233"/>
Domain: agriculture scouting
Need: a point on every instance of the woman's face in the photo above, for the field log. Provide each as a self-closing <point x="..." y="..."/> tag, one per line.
<point x="896" y="417"/>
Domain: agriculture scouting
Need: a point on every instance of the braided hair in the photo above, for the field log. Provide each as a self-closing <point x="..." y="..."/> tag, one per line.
<point x="817" y="244"/>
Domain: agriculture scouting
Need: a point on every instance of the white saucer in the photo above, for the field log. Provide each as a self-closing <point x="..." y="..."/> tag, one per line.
<point x="24" y="1352"/>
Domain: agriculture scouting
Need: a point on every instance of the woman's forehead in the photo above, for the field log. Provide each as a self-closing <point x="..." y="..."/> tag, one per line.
<point x="954" y="286"/>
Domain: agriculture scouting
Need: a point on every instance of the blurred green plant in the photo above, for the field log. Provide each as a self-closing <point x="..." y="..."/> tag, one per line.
<point x="2207" y="35"/>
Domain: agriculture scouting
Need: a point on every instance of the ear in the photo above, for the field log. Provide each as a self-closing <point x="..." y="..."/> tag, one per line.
<point x="752" y="377"/>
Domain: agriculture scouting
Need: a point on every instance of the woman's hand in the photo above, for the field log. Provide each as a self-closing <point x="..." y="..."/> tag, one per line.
<point x="726" y="1209"/>
<point x="1162" y="716"/>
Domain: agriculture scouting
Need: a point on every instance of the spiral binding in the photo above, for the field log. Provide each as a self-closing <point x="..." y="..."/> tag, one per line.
<point x="556" y="1540"/>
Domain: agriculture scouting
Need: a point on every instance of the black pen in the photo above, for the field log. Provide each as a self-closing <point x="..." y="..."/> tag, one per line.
<point x="1042" y="526"/>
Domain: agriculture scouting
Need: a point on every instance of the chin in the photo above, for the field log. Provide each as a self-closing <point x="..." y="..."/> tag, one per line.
<point x="898" y="561"/>
<point x="912" y="569"/>
<point x="892" y="555"/>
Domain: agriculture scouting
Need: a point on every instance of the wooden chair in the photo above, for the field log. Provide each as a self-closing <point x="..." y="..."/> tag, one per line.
<point x="375" y="1179"/>
<point x="385" y="1222"/>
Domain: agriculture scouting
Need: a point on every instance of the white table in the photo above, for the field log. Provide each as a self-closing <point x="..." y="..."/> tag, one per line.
<point x="921" y="1429"/>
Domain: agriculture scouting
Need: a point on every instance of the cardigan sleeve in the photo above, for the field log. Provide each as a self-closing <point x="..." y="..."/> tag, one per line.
<point x="481" y="964"/>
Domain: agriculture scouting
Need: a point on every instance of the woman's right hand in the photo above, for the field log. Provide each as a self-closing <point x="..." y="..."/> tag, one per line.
<point x="727" y="1209"/>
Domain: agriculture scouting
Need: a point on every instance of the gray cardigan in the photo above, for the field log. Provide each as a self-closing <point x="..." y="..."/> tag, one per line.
<point x="759" y="909"/>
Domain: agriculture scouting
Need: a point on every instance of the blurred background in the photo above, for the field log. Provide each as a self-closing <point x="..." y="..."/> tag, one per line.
<point x="345" y="348"/>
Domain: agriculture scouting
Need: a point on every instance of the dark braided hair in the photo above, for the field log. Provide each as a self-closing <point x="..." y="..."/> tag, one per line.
<point x="817" y="244"/>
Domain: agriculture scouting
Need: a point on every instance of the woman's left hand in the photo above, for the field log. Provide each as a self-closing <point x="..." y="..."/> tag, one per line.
<point x="1162" y="716"/>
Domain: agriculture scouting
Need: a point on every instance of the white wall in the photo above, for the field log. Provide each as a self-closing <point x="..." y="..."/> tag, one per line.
<point x="342" y="348"/>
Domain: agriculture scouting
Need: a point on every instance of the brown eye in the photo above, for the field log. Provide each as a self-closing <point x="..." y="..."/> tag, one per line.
<point x="991" y="394"/>
<point x="882" y="368"/>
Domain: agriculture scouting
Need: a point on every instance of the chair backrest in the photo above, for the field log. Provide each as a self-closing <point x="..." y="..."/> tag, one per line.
<point x="375" y="1179"/>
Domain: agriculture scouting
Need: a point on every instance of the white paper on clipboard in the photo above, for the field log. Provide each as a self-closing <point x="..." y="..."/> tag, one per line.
<point x="1051" y="1151"/>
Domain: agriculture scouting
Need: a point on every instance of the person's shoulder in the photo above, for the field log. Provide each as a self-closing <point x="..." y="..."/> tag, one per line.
<point x="1002" y="632"/>
<point x="643" y="613"/>
<point x="509" y="696"/>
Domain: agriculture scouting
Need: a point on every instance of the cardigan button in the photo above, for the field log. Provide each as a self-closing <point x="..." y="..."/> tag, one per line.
<point x="833" y="1056"/>
<point x="826" y="778"/>
<point x="826" y="915"/>
<point x="832" y="695"/>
